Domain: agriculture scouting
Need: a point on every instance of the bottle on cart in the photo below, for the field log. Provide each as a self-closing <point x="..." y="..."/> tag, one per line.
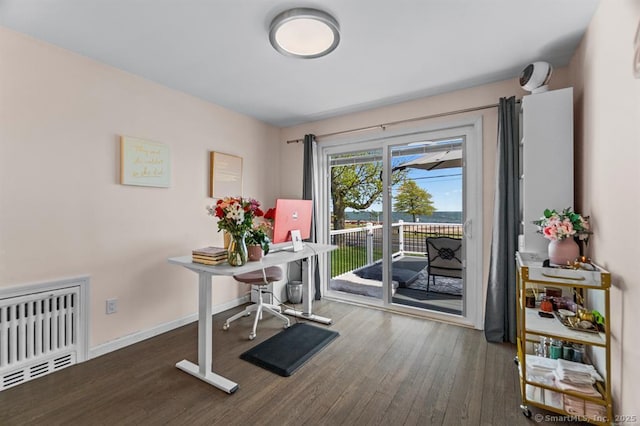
<point x="578" y="352"/>
<point x="555" y="349"/>
<point x="567" y="351"/>
<point x="541" y="348"/>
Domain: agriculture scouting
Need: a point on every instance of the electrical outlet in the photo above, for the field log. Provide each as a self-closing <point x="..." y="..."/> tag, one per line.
<point x="112" y="306"/>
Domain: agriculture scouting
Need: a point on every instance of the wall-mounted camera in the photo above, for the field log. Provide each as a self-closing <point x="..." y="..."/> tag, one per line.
<point x="535" y="77"/>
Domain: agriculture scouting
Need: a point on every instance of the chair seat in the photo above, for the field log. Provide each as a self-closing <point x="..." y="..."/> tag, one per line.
<point x="273" y="273"/>
<point x="259" y="280"/>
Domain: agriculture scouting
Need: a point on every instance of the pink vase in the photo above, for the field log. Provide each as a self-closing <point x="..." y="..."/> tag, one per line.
<point x="255" y="253"/>
<point x="563" y="251"/>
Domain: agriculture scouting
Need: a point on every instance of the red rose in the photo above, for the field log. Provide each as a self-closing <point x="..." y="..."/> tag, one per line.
<point x="258" y="212"/>
<point x="219" y="212"/>
<point x="270" y="214"/>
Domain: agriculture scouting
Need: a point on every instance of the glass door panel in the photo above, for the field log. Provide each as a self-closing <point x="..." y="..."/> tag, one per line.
<point x="427" y="225"/>
<point x="355" y="211"/>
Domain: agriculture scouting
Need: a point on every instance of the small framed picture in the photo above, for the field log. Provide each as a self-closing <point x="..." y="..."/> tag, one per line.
<point x="636" y="53"/>
<point x="144" y="163"/>
<point x="225" y="179"/>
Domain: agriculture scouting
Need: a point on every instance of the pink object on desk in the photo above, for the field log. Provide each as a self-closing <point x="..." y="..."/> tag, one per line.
<point x="290" y="215"/>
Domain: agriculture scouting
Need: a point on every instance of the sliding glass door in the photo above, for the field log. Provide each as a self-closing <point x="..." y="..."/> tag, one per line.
<point x="355" y="224"/>
<point x="427" y="229"/>
<point x="402" y="208"/>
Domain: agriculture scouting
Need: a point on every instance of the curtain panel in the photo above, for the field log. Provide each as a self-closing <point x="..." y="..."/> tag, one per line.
<point x="500" y="309"/>
<point x="310" y="191"/>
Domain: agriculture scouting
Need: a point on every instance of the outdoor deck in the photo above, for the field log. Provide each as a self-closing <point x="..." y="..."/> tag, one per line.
<point x="361" y="248"/>
<point x="444" y="296"/>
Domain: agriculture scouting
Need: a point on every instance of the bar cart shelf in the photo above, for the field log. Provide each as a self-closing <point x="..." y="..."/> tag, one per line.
<point x="550" y="394"/>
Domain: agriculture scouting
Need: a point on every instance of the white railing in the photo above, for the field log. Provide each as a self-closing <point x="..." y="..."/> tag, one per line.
<point x="362" y="246"/>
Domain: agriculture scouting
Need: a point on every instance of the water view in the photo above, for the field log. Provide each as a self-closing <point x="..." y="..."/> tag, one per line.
<point x="436" y="217"/>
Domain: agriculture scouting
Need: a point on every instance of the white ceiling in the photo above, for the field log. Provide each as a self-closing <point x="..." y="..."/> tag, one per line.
<point x="390" y="51"/>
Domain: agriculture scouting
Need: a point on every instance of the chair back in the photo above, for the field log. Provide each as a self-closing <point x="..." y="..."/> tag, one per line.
<point x="445" y="256"/>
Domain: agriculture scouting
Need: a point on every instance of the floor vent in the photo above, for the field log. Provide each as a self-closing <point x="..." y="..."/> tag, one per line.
<point x="39" y="334"/>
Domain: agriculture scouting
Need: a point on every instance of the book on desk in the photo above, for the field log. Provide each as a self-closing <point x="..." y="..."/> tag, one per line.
<point x="209" y="255"/>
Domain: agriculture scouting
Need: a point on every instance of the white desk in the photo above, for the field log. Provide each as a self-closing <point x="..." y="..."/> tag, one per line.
<point x="205" y="273"/>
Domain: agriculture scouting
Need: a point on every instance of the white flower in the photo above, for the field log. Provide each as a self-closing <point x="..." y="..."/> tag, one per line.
<point x="236" y="213"/>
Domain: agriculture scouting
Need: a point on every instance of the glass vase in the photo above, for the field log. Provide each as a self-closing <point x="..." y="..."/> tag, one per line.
<point x="237" y="250"/>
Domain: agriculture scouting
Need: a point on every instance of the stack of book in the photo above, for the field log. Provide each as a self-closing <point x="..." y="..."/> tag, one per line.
<point x="209" y="255"/>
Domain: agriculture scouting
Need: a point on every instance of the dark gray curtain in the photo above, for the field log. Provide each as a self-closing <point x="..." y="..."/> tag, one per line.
<point x="308" y="193"/>
<point x="500" y="310"/>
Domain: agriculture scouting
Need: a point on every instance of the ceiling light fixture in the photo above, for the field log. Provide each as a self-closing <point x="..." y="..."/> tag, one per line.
<point x="304" y="33"/>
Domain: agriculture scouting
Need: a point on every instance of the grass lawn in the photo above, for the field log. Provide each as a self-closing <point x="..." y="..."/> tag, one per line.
<point x="347" y="258"/>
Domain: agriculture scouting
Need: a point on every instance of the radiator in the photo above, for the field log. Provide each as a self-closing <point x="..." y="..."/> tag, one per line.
<point x="39" y="334"/>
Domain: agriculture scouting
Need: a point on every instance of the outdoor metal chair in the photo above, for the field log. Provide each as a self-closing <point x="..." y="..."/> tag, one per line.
<point x="445" y="258"/>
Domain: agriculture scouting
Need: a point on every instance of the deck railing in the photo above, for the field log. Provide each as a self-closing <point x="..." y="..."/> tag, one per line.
<point x="362" y="246"/>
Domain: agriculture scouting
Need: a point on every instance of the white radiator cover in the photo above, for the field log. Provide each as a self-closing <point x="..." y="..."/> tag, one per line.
<point x="43" y="328"/>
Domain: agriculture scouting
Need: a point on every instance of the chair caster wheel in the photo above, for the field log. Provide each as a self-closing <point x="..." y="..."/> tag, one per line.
<point x="225" y="327"/>
<point x="252" y="336"/>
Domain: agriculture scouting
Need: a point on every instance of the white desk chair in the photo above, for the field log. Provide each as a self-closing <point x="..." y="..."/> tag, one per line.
<point x="259" y="281"/>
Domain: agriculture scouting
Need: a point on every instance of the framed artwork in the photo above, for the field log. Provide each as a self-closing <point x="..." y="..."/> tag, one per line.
<point x="636" y="53"/>
<point x="225" y="179"/>
<point x="144" y="163"/>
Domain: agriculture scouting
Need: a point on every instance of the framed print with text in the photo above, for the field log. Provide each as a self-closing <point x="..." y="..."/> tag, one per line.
<point x="225" y="179"/>
<point x="144" y="163"/>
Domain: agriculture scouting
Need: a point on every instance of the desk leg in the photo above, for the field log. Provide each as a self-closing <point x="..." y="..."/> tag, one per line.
<point x="205" y="341"/>
<point x="307" y="295"/>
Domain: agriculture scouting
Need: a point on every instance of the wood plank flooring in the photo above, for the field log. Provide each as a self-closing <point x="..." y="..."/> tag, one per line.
<point x="384" y="369"/>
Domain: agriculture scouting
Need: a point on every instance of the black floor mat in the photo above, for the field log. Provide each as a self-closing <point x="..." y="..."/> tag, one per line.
<point x="288" y="350"/>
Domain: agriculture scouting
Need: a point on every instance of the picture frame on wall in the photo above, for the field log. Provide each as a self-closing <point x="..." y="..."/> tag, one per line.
<point x="636" y="53"/>
<point x="225" y="178"/>
<point x="144" y="162"/>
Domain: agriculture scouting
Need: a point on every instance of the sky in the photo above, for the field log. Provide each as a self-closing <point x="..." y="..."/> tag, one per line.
<point x="445" y="187"/>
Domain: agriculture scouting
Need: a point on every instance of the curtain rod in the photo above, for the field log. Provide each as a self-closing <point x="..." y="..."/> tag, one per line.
<point x="395" y="123"/>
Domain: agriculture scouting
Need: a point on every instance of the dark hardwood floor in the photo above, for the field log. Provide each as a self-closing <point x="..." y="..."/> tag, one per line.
<point x="384" y="369"/>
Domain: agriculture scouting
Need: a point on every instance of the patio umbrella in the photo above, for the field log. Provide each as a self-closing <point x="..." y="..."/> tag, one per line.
<point x="435" y="160"/>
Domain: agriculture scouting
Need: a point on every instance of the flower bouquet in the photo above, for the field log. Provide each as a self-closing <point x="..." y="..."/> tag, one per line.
<point x="558" y="226"/>
<point x="561" y="229"/>
<point x="235" y="215"/>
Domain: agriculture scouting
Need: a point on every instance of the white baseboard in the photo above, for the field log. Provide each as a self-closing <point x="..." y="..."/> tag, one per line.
<point x="141" y="335"/>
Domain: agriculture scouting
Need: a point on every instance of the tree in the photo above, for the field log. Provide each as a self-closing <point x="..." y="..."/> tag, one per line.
<point x="356" y="186"/>
<point x="413" y="200"/>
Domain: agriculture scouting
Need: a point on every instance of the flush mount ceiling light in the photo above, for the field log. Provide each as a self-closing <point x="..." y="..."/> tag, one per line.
<point x="304" y="33"/>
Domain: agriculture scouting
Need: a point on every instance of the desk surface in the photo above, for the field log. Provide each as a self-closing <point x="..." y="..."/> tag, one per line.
<point x="271" y="259"/>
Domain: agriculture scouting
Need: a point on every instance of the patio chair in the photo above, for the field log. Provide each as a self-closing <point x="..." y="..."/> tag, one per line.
<point x="444" y="254"/>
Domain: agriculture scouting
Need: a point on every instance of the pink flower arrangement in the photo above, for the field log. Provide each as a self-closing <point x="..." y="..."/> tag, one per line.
<point x="235" y="214"/>
<point x="558" y="226"/>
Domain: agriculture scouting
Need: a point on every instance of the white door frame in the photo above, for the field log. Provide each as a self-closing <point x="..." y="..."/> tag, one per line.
<point x="471" y="129"/>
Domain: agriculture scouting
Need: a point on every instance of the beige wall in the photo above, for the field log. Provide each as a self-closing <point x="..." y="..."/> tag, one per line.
<point x="608" y="156"/>
<point x="63" y="213"/>
<point x="453" y="101"/>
